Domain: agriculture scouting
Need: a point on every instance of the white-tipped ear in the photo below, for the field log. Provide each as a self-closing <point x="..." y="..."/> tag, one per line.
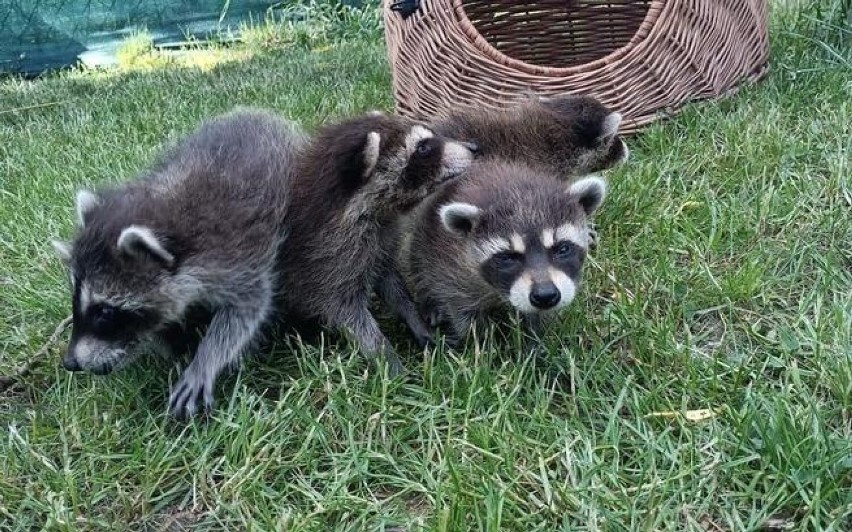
<point x="590" y="192"/>
<point x="138" y="241"/>
<point x="610" y="125"/>
<point x="625" y="155"/>
<point x="371" y="152"/>
<point x="86" y="201"/>
<point x="460" y="218"/>
<point x="62" y="249"/>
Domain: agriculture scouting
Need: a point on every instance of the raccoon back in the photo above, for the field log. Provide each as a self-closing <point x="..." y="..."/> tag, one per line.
<point x="218" y="197"/>
<point x="569" y="136"/>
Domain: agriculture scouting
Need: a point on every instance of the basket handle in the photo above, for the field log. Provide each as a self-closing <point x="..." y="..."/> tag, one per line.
<point x="406" y="8"/>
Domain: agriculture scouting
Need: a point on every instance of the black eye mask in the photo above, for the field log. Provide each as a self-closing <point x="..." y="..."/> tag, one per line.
<point x="502" y="269"/>
<point x="568" y="257"/>
<point x="109" y="322"/>
<point x="424" y="163"/>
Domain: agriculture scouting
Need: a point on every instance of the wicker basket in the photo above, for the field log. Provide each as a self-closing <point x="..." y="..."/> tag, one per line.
<point x="644" y="58"/>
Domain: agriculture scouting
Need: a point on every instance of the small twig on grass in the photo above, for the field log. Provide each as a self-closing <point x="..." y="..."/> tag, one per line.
<point x="28" y="107"/>
<point x="6" y="381"/>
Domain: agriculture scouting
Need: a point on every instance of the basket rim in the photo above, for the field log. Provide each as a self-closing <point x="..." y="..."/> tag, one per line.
<point x="482" y="44"/>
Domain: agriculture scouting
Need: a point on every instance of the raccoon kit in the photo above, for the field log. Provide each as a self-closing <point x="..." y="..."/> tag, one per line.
<point x="507" y="236"/>
<point x="200" y="231"/>
<point x="570" y="136"/>
<point x="353" y="182"/>
<point x="511" y="233"/>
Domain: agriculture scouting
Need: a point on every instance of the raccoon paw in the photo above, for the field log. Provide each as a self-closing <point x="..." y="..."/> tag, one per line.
<point x="592" y="235"/>
<point x="395" y="366"/>
<point x="193" y="386"/>
<point x="431" y="313"/>
<point x="425" y="340"/>
<point x="454" y="341"/>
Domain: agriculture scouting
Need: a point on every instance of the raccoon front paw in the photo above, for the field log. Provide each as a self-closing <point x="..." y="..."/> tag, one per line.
<point x="395" y="366"/>
<point x="424" y="340"/>
<point x="431" y="313"/>
<point x="193" y="387"/>
<point x="454" y="341"/>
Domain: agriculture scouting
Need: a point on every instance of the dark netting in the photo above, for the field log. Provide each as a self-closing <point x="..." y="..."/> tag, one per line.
<point x="37" y="35"/>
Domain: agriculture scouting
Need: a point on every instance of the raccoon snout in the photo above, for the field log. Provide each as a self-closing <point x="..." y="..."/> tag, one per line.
<point x="544" y="295"/>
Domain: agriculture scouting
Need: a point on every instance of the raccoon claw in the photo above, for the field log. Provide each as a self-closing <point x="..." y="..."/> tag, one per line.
<point x="395" y="366"/>
<point x="425" y="340"/>
<point x="186" y="394"/>
<point x="453" y="341"/>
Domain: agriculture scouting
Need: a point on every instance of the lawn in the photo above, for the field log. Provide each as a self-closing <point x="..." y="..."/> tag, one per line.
<point x="723" y="281"/>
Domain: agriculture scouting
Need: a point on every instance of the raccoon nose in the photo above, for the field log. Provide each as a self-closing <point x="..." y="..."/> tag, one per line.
<point x="544" y="296"/>
<point x="70" y="363"/>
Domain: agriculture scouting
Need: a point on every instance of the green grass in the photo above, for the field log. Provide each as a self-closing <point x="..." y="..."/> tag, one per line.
<point x="723" y="281"/>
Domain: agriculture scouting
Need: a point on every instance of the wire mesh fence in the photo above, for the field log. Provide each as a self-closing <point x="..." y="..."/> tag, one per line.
<point x="38" y="35"/>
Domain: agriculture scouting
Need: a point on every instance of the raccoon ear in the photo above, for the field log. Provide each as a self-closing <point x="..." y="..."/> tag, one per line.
<point x="460" y="218"/>
<point x="138" y="241"/>
<point x="86" y="201"/>
<point x="371" y="152"/>
<point x="610" y="125"/>
<point x="592" y="130"/>
<point x="63" y="250"/>
<point x="590" y="192"/>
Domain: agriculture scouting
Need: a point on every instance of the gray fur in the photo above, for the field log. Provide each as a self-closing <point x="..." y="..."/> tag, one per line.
<point x="528" y="152"/>
<point x="570" y="135"/>
<point x="445" y="268"/>
<point x="344" y="209"/>
<point x="215" y="203"/>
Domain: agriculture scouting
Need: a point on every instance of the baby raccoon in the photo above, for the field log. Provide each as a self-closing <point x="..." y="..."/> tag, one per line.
<point x="505" y="236"/>
<point x="353" y="182"/>
<point x="510" y="232"/>
<point x="568" y="135"/>
<point x="198" y="233"/>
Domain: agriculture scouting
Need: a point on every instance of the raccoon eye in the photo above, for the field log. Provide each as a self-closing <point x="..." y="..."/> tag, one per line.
<point x="424" y="148"/>
<point x="507" y="260"/>
<point x="105" y="314"/>
<point x="564" y="249"/>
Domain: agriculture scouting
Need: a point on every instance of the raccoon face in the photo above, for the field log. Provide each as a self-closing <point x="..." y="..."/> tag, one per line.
<point x="594" y="129"/>
<point x="106" y="334"/>
<point x="120" y="286"/>
<point x="536" y="269"/>
<point x="533" y="276"/>
<point x="413" y="168"/>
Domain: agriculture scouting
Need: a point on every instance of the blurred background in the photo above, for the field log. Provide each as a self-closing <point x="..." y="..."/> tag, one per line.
<point x="39" y="35"/>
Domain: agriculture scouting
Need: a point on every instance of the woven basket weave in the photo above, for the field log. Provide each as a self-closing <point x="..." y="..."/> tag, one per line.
<point x="644" y="58"/>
